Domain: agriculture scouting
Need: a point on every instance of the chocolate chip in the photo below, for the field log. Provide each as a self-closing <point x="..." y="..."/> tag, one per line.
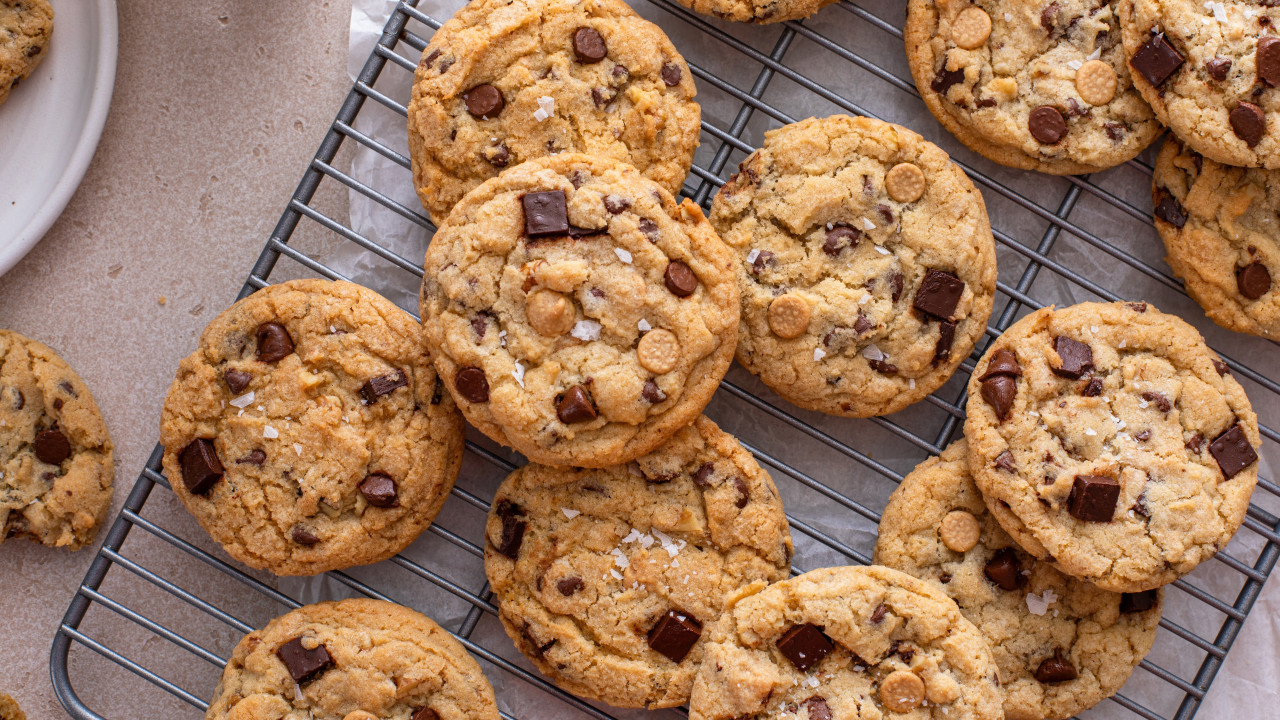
<point x="1115" y="130"/>
<point x="18" y="399"/>
<point x="1076" y="357"/>
<point x="878" y="614"/>
<point x="236" y="380"/>
<point x="1162" y="402"/>
<point x="201" y="468"/>
<point x="1005" y="462"/>
<point x="883" y="367"/>
<point x="1138" y="307"/>
<point x="484" y="101"/>
<point x="616" y="204"/>
<point x="1093" y="388"/>
<point x="1156" y="60"/>
<point x="1170" y="210"/>
<point x="589" y="46"/>
<point x="1055" y="669"/>
<point x="703" y="472"/>
<point x="545" y="213"/>
<point x="943" y="81"/>
<point x="743" y="496"/>
<point x="425" y="714"/>
<point x="649" y="228"/>
<point x="839" y="237"/>
<point x="652" y="393"/>
<point x="375" y="388"/>
<point x="987" y="102"/>
<point x="539" y="649"/>
<point x="303" y="536"/>
<point x="1195" y="444"/>
<point x="577" y="232"/>
<point x="939" y="294"/>
<point x="52" y="446"/>
<point x="946" y="338"/>
<point x="1232" y="451"/>
<point x="620" y="73"/>
<point x="1005" y="570"/>
<point x="944" y="578"/>
<point x="602" y="96"/>
<point x="1143" y="436"/>
<point x="675" y="635"/>
<point x="679" y="279"/>
<point x="862" y="324"/>
<point x="575" y="406"/>
<point x="1253" y="280"/>
<point x="805" y="646"/>
<point x="1002" y="362"/>
<point x="1093" y="498"/>
<point x="255" y="457"/>
<point x="999" y="393"/>
<point x="499" y="156"/>
<point x="762" y="261"/>
<point x="513" y="528"/>
<point x="672" y="74"/>
<point x="1248" y="123"/>
<point x="1137" y="602"/>
<point x="274" y="342"/>
<point x="57" y="403"/>
<point x="1218" y="68"/>
<point x="430" y="58"/>
<point x="471" y="384"/>
<point x="1267" y="60"/>
<point x="1140" y="504"/>
<point x="303" y="664"/>
<point x="818" y="708"/>
<point x="1047" y="125"/>
<point x="1221" y="367"/>
<point x="1048" y="16"/>
<point x="570" y="585"/>
<point x="447" y="63"/>
<point x="380" y="490"/>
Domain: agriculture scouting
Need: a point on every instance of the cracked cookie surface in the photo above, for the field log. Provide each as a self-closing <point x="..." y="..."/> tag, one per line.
<point x="936" y="527"/>
<point x="757" y="11"/>
<point x="577" y="313"/>
<point x="352" y="660"/>
<point x="1109" y="438"/>
<point x="865" y="260"/>
<point x="308" y="431"/>
<point x="505" y="81"/>
<point x="1031" y="84"/>
<point x="56" y="459"/>
<point x="606" y="578"/>
<point x="849" y="642"/>
<point x="25" y="29"/>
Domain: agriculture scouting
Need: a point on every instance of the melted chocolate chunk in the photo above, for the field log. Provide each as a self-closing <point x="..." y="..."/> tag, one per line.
<point x="546" y="214"/>
<point x="589" y="46"/>
<point x="805" y="646"/>
<point x="484" y="101"/>
<point x="744" y="497"/>
<point x="1005" y="462"/>
<point x="1093" y="388"/>
<point x="1170" y="210"/>
<point x="1156" y="60"/>
<point x="1221" y="367"/>
<point x="375" y="388"/>
<point x="570" y="585"/>
<point x="1055" y="669"/>
<point x="1047" y="125"/>
<point x="425" y="713"/>
<point x="1232" y="451"/>
<point x="946" y="338"/>
<point x="1005" y="570"/>
<point x="675" y="635"/>
<point x="513" y="527"/>
<point x="818" y="708"/>
<point x="999" y="392"/>
<point x="1267" y="60"/>
<point x="201" y="468"/>
<point x="471" y="384"/>
<point x="303" y="536"/>
<point x="1248" y="122"/>
<point x="649" y="228"/>
<point x="303" y="664"/>
<point x="575" y="406"/>
<point x="616" y="204"/>
<point x="679" y="279"/>
<point x="703" y="472"/>
<point x="274" y="342"/>
<point x="1002" y="362"/>
<point x="672" y="74"/>
<point x="652" y="393"/>
<point x="878" y="614"/>
<point x="380" y="490"/>
<point x="839" y="237"/>
<point x="1218" y="68"/>
<point x="1161" y="402"/>
<point x="255" y="457"/>
<point x="939" y="294"/>
<point x="1137" y="602"/>
<point x="943" y="81"/>
<point x="1076" y="357"/>
<point x="1253" y="280"/>
<point x="1093" y="498"/>
<point x="883" y="367"/>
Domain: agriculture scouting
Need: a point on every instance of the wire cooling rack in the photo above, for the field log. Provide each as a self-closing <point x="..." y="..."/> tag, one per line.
<point x="1060" y="239"/>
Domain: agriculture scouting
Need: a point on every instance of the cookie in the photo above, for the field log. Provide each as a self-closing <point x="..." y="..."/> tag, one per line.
<point x="507" y="81"/>
<point x="757" y="11"/>
<point x="866" y="264"/>
<point x="846" y="642"/>
<point x="352" y="660"/>
<point x="1208" y="69"/>
<point x="577" y="313"/>
<point x="25" y="29"/>
<point x="1109" y="438"/>
<point x="1030" y="84"/>
<point x="605" y="578"/>
<point x="309" y="432"/>
<point x="9" y="709"/>
<point x="56" y="462"/>
<point x="1218" y="227"/>
<point x="1062" y="645"/>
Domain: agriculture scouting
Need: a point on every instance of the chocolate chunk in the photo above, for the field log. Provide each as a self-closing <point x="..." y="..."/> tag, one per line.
<point x="1002" y="362"/>
<point x="1221" y="367"/>
<point x="839" y="237"/>
<point x="617" y="204"/>
<point x="274" y="342"/>
<point x="575" y="406"/>
<point x="545" y="213"/>
<point x="1076" y="357"/>
<point x="946" y="338"/>
<point x="570" y="585"/>
<point x="236" y="380"/>
<point x="944" y="79"/>
<point x="430" y="58"/>
<point x="862" y="324"/>
<point x="675" y="635"/>
<point x="380" y="490"/>
<point x="1093" y="498"/>
<point x="944" y="578"/>
<point x="1005" y="570"/>
<point x="303" y="664"/>
<point x="672" y="74"/>
<point x="1162" y="403"/>
<point x="1267" y="60"/>
<point x="818" y="708"/>
<point x="603" y="96"/>
<point x="987" y="102"/>
<point x="255" y="457"/>
<point x="652" y="393"/>
<point x="1143" y="436"/>
<point x="19" y="400"/>
<point x="589" y="46"/>
<point x="1248" y="122"/>
<point x="805" y="646"/>
<point x="52" y="446"/>
<point x="744" y="497"/>
<point x="883" y="367"/>
<point x="1137" y="602"/>
<point x="999" y="393"/>
<point x="1218" y="68"/>
<point x="1170" y="210"/>
<point x="939" y="294"/>
<point x="1140" y="504"/>
<point x="1232" y="451"/>
<point x="1156" y="60"/>
<point x="425" y="714"/>
<point x="480" y="325"/>
<point x="679" y="279"/>
<point x="620" y="73"/>
<point x="1005" y="462"/>
<point x="1055" y="669"/>
<point x="885" y="211"/>
<point x="649" y="228"/>
<point x="1047" y="125"/>
<point x="1138" y="307"/>
<point x="762" y="261"/>
<point x="303" y="536"/>
<point x="500" y="157"/>
<point x="484" y="101"/>
<point x="703" y="472"/>
<point x="1048" y="16"/>
<point x="878" y="614"/>
<point x="513" y="528"/>
<point x="1115" y="131"/>
<point x="201" y="468"/>
<point x="375" y="388"/>
<point x="895" y="284"/>
<point x="1093" y="388"/>
<point x="1253" y="280"/>
<point x="471" y="384"/>
<point x="539" y="648"/>
<point x="1195" y="444"/>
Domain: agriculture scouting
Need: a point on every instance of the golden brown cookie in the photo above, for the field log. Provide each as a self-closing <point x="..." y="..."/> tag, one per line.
<point x="25" y="29"/>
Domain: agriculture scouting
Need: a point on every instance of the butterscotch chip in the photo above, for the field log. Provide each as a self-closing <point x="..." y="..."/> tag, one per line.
<point x="658" y="351"/>
<point x="789" y="316"/>
<point x="971" y="28"/>
<point x="905" y="182"/>
<point x="960" y="531"/>
<point x="1096" y="82"/>
<point x="902" y="691"/>
<point x="550" y="313"/>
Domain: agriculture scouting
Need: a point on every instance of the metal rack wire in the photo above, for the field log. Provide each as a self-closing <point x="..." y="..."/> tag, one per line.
<point x="1057" y="237"/>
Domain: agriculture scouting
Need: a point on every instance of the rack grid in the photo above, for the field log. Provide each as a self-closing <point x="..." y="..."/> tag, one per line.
<point x="745" y="74"/>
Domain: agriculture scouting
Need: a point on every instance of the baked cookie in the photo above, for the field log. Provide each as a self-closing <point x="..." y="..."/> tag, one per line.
<point x="56" y="463"/>
<point x="757" y="11"/>
<point x="577" y="313"/>
<point x="352" y="660"/>
<point x="9" y="709"/>
<point x="309" y="431"/>
<point x="605" y="578"/>
<point x="1109" y="438"/>
<point x="866" y="264"/>
<point x="1030" y="84"/>
<point x="1207" y="69"/>
<point x="1062" y="645"/>
<point x="25" y="29"/>
<point x="1218" y="224"/>
<point x="507" y="81"/>
<point x="845" y="642"/>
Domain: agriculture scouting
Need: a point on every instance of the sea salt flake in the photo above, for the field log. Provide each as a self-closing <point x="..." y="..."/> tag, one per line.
<point x="868" y="225"/>
<point x="1090" y="432"/>
<point x="1039" y="604"/>
<point x="619" y="558"/>
<point x="586" y="330"/>
<point x="882" y="250"/>
<point x="864" y="299"/>
<point x="1008" y="17"/>
<point x="1093" y="329"/>
<point x="518" y="374"/>
<point x="1075" y="64"/>
<point x="644" y="325"/>
<point x="911" y="383"/>
<point x="243" y="401"/>
<point x="569" y="513"/>
<point x="1097" y="53"/>
<point x="502" y="338"/>
<point x="1143" y="403"/>
<point x="616" y="575"/>
<point x="270" y="433"/>
<point x="297" y="448"/>
<point x="818" y="354"/>
<point x="1219" y="12"/>
<point x="873" y="352"/>
<point x="751" y="256"/>
<point x="623" y="255"/>
<point x="546" y="108"/>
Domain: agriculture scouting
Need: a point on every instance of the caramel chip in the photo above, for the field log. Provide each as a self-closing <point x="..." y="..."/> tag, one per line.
<point x="1096" y="82"/>
<point x="550" y="313"/>
<point x="959" y="531"/>
<point x="971" y="28"/>
<point x="905" y="181"/>
<point x="902" y="691"/>
<point x="788" y="316"/>
<point x="658" y="351"/>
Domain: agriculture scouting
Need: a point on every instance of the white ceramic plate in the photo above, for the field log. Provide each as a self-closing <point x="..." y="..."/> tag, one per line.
<point x="50" y="125"/>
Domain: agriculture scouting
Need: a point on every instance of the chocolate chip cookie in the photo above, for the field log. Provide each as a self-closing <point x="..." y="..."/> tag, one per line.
<point x="757" y="11"/>
<point x="1109" y="438"/>
<point x="605" y="578"/>
<point x="866" y="264"/>
<point x="25" y="29"/>
<point x="1208" y="68"/>
<point x="1218" y="224"/>
<point x="507" y="81"/>
<point x="56" y="463"/>
<point x="352" y="660"/>
<point x="9" y="709"/>
<point x="1031" y="84"/>
<point x="1062" y="645"/>
<point x="577" y="313"/>
<point x="309" y="432"/>
<point x="847" y="642"/>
